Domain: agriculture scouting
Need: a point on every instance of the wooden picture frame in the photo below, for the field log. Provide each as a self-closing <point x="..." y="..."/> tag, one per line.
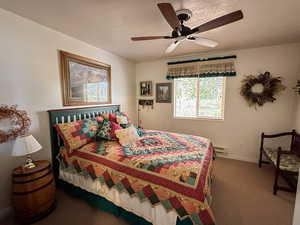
<point x="164" y="92"/>
<point x="146" y="88"/>
<point x="84" y="81"/>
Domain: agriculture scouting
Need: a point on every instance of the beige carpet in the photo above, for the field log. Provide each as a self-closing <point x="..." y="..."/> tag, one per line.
<point x="242" y="196"/>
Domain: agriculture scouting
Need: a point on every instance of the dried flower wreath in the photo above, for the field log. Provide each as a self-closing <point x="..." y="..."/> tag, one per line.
<point x="257" y="90"/>
<point x="19" y="120"/>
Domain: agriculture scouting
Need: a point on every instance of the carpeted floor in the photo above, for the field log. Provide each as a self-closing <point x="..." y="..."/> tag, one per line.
<point x="242" y="196"/>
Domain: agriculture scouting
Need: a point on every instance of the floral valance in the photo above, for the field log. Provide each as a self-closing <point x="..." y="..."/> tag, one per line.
<point x="215" y="67"/>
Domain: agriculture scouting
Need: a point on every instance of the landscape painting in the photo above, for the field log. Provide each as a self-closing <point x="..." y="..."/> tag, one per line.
<point x="164" y="92"/>
<point x="85" y="81"/>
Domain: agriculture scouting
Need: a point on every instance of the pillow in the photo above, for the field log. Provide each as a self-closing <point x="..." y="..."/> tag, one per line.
<point x="139" y="130"/>
<point x="122" y="119"/>
<point x="124" y="114"/>
<point x="114" y="117"/>
<point x="99" y="119"/>
<point x="114" y="127"/>
<point x="127" y="136"/>
<point x="78" y="133"/>
<point x="107" y="130"/>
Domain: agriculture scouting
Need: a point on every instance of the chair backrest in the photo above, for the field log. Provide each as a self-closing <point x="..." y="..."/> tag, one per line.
<point x="295" y="147"/>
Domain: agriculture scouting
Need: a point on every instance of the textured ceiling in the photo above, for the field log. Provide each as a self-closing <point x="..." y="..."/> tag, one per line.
<point x="109" y="24"/>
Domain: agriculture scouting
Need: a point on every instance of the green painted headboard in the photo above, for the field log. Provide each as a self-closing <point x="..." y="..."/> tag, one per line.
<point x="70" y="115"/>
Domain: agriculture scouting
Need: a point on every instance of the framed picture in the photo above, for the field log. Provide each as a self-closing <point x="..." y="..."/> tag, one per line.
<point x="164" y="92"/>
<point x="146" y="88"/>
<point x="84" y="81"/>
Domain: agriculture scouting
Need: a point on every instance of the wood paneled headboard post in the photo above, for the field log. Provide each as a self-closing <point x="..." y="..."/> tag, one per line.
<point x="69" y="115"/>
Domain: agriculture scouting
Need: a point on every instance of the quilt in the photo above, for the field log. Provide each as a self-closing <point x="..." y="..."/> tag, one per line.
<point x="164" y="168"/>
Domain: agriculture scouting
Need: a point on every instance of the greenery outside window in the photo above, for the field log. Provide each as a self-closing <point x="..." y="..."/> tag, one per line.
<point x="201" y="98"/>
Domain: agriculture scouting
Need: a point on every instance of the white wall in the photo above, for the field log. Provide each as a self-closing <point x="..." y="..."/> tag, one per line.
<point x="297" y="116"/>
<point x="29" y="77"/>
<point x="240" y="130"/>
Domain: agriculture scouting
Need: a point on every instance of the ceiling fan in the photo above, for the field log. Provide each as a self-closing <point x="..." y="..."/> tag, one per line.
<point x="183" y="33"/>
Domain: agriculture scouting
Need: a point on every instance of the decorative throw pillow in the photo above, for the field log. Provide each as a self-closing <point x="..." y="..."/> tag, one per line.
<point x="139" y="130"/>
<point x="122" y="119"/>
<point x="99" y="119"/>
<point x="127" y="136"/>
<point x="78" y="133"/>
<point x="113" y="116"/>
<point x="125" y="114"/>
<point x="104" y="131"/>
<point x="107" y="130"/>
<point x="114" y="128"/>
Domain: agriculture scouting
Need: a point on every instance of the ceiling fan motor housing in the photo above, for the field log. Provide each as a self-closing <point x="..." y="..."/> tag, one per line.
<point x="184" y="14"/>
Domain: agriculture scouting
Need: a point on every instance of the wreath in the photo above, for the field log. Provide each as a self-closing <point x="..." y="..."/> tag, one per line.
<point x="19" y="120"/>
<point x="257" y="90"/>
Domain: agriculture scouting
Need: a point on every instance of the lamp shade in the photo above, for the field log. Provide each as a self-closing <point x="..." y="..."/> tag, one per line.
<point x="25" y="145"/>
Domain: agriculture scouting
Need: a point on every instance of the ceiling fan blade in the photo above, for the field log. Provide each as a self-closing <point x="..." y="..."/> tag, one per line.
<point x="204" y="42"/>
<point x="218" y="22"/>
<point x="170" y="15"/>
<point x="149" y="38"/>
<point x="172" y="47"/>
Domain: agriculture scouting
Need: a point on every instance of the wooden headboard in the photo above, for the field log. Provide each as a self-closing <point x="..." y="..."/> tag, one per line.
<point x="69" y="115"/>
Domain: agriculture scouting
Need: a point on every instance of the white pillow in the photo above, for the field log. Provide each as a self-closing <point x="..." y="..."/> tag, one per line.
<point x="122" y="120"/>
<point x="127" y="136"/>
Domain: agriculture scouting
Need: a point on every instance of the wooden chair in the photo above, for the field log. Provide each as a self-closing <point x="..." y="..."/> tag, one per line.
<point x="285" y="162"/>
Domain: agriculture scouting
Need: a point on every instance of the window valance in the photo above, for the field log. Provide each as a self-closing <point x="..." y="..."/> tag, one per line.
<point x="211" y="67"/>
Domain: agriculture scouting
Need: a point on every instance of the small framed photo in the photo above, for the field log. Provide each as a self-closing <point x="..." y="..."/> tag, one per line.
<point x="146" y="88"/>
<point x="164" y="92"/>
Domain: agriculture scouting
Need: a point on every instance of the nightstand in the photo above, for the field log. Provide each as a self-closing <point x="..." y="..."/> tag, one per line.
<point x="33" y="192"/>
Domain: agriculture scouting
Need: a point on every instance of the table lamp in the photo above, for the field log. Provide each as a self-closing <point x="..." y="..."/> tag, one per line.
<point x="26" y="145"/>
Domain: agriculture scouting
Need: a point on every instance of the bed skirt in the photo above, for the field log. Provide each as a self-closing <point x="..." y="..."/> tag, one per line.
<point x="107" y="206"/>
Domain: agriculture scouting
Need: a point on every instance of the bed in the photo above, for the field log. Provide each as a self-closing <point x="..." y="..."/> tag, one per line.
<point x="164" y="179"/>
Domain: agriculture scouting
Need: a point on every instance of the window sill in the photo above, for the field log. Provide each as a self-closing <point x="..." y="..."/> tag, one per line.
<point x="198" y="118"/>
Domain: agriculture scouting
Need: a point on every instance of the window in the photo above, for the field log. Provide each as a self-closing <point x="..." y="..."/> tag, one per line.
<point x="199" y="98"/>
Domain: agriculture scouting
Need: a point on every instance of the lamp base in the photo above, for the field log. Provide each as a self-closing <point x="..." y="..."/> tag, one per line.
<point x="29" y="163"/>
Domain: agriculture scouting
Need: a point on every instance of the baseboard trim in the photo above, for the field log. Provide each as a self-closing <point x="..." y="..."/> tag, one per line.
<point x="5" y="212"/>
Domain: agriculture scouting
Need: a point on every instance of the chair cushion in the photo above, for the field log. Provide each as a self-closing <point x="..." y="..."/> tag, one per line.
<point x="287" y="162"/>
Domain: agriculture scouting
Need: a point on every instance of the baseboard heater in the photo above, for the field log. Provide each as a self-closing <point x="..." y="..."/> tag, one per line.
<point x="220" y="150"/>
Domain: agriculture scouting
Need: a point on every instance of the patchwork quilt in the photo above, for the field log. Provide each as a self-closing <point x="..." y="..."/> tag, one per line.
<point x="164" y="168"/>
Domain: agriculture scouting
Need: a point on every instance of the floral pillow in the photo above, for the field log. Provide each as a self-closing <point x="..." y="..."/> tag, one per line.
<point x="78" y="133"/>
<point x="107" y="130"/>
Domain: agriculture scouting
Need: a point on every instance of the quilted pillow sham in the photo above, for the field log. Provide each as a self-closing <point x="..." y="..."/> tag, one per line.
<point x="78" y="133"/>
<point x="107" y="131"/>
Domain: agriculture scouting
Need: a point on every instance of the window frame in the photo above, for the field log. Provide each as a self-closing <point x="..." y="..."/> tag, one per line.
<point x="222" y="118"/>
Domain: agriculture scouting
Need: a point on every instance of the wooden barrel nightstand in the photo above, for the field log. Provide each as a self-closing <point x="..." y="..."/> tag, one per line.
<point x="33" y="192"/>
